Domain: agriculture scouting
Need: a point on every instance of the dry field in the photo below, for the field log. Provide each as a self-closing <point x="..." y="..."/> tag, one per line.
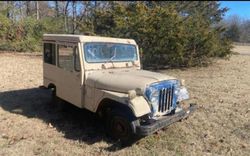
<point x="243" y="50"/>
<point x="31" y="125"/>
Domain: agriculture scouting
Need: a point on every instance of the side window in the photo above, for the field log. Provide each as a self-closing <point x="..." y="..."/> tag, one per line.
<point x="68" y="58"/>
<point x="49" y="53"/>
<point x="65" y="59"/>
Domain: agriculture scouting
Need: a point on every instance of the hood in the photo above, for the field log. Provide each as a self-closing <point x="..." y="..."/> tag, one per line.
<point x="123" y="80"/>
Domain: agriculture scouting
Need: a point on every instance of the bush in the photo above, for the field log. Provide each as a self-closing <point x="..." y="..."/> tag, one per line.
<point x="166" y="37"/>
<point x="26" y="35"/>
<point x="173" y="34"/>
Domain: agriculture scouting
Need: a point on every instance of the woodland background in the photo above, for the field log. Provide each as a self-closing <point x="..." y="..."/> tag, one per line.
<point x="175" y="34"/>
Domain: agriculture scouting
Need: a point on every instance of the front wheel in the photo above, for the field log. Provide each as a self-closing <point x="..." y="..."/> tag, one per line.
<point x="120" y="126"/>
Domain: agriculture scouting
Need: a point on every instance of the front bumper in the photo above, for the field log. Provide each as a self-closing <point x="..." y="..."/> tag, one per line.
<point x="165" y="121"/>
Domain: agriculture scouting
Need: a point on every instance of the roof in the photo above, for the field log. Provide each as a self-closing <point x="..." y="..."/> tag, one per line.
<point x="84" y="38"/>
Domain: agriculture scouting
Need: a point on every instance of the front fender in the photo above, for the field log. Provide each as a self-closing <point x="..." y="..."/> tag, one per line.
<point x="138" y="105"/>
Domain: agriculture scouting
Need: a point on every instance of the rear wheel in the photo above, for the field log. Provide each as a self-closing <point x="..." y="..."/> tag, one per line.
<point x="54" y="98"/>
<point x="59" y="103"/>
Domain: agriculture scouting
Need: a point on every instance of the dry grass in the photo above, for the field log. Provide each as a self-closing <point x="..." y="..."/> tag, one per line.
<point x="242" y="49"/>
<point x="31" y="125"/>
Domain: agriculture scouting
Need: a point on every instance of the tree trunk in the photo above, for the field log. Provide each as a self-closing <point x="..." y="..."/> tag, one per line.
<point x="57" y="8"/>
<point x="8" y="9"/>
<point x="37" y="10"/>
<point x="21" y="9"/>
<point x="27" y="8"/>
<point x="66" y="16"/>
<point x="74" y="16"/>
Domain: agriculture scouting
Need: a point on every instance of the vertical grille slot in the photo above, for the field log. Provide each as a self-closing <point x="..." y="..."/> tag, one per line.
<point x="166" y="99"/>
<point x="160" y="101"/>
<point x="169" y="99"/>
<point x="172" y="95"/>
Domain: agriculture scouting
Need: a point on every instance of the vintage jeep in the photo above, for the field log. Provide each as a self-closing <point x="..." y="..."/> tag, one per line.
<point x="104" y="76"/>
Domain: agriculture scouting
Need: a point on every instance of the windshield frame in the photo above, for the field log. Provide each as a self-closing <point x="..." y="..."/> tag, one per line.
<point x="115" y="61"/>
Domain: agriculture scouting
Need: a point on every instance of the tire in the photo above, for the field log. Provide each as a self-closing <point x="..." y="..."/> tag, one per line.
<point x="54" y="98"/>
<point x="120" y="126"/>
<point x="59" y="103"/>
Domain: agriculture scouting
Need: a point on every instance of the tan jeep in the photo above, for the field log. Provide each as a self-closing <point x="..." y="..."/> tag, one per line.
<point x="104" y="75"/>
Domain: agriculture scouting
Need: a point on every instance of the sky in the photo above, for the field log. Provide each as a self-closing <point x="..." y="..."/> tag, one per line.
<point x="240" y="8"/>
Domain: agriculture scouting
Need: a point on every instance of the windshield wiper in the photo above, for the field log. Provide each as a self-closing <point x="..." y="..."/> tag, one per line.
<point x="111" y="59"/>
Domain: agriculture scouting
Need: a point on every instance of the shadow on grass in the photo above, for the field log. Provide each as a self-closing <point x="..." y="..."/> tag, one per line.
<point x="75" y="123"/>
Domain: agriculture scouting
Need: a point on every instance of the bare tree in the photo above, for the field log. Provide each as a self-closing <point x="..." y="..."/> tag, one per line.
<point x="21" y="9"/>
<point x="57" y="8"/>
<point x="10" y="9"/>
<point x="65" y="11"/>
<point x="28" y="8"/>
<point x="37" y="10"/>
<point x="74" y="16"/>
<point x="18" y="10"/>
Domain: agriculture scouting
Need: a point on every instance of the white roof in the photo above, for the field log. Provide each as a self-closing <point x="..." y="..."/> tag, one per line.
<point x="84" y="38"/>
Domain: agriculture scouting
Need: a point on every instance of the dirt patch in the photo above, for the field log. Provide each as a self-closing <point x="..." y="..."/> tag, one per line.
<point x="31" y="125"/>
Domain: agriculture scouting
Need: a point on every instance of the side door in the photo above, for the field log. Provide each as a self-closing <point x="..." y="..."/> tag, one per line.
<point x="69" y="86"/>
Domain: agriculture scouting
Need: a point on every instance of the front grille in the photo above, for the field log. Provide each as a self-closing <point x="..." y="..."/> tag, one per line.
<point x="166" y="102"/>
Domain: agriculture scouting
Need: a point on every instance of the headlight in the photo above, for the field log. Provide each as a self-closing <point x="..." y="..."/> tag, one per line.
<point x="182" y="94"/>
<point x="154" y="93"/>
<point x="153" y="96"/>
<point x="181" y="91"/>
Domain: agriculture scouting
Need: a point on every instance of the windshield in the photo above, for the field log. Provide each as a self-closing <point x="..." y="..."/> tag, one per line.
<point x="109" y="52"/>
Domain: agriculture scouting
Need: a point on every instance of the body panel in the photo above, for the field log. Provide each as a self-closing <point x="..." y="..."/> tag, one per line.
<point x="69" y="88"/>
<point x="83" y="38"/>
<point x="123" y="80"/>
<point x="68" y="83"/>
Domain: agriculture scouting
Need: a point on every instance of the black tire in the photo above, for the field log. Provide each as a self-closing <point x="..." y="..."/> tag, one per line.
<point x="54" y="98"/>
<point x="120" y="126"/>
<point x="59" y="103"/>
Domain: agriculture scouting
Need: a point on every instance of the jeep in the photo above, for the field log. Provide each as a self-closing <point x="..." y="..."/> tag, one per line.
<point x="104" y="76"/>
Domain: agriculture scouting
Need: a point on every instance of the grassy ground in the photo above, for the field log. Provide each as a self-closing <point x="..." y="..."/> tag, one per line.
<point x="31" y="125"/>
